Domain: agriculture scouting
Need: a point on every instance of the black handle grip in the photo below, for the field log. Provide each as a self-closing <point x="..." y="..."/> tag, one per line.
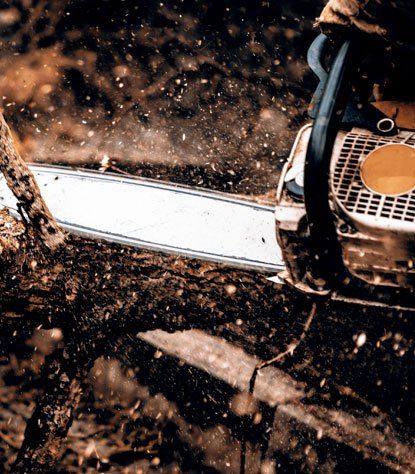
<point x="324" y="247"/>
<point x="315" y="56"/>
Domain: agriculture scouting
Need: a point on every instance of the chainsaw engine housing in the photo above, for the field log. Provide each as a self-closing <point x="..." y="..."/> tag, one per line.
<point x="346" y="203"/>
<point x="376" y="232"/>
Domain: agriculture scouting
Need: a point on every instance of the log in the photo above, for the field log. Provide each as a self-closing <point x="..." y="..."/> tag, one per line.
<point x="96" y="292"/>
<point x="122" y="288"/>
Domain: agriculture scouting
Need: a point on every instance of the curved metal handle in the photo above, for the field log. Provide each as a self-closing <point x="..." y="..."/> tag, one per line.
<point x="315" y="55"/>
<point x="324" y="247"/>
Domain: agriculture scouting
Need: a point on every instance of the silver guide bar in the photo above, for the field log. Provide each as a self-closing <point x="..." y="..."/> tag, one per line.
<point x="158" y="216"/>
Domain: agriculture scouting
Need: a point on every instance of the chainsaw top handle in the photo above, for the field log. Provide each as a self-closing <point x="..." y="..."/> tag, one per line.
<point x="324" y="247"/>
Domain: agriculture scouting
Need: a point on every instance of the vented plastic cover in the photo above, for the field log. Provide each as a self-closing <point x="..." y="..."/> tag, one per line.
<point x="351" y="193"/>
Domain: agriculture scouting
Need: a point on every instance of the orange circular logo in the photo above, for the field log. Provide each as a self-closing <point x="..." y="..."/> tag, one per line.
<point x="390" y="169"/>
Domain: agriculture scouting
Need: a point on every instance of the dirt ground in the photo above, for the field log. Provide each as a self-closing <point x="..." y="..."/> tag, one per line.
<point x="204" y="93"/>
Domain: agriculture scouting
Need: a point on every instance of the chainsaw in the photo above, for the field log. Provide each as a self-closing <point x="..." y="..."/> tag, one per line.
<point x="344" y="222"/>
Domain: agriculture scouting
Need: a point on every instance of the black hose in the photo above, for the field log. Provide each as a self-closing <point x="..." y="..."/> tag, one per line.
<point x="324" y="247"/>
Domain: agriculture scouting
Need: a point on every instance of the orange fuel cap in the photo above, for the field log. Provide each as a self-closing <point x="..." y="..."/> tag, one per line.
<point x="390" y="169"/>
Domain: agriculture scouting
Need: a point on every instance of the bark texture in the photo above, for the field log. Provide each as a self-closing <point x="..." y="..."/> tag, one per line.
<point x="23" y="185"/>
<point x="47" y="428"/>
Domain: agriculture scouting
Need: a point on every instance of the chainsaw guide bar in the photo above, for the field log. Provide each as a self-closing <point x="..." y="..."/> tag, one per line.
<point x="158" y="216"/>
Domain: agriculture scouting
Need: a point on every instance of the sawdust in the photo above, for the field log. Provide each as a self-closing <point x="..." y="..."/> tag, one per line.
<point x="161" y="92"/>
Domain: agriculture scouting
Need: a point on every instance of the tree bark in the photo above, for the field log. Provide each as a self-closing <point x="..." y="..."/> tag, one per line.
<point x="48" y="426"/>
<point x="23" y="185"/>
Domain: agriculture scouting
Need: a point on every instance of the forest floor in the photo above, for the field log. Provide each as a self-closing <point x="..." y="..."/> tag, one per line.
<point x="205" y="95"/>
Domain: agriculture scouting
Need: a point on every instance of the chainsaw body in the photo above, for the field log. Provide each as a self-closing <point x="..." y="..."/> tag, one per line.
<point x="338" y="235"/>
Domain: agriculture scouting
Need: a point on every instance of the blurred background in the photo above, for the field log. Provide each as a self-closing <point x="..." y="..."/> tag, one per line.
<point x="197" y="91"/>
